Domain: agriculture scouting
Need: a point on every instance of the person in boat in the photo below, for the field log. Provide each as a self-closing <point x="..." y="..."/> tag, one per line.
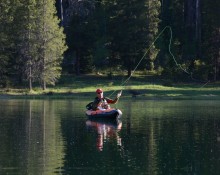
<point x="101" y="102"/>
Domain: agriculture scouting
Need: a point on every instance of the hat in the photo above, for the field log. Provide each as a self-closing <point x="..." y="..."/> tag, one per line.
<point x="99" y="91"/>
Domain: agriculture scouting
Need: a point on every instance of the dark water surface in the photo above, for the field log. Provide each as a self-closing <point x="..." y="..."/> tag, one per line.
<point x="153" y="137"/>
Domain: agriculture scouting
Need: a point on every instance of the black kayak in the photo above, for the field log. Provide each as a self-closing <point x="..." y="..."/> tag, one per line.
<point x="111" y="114"/>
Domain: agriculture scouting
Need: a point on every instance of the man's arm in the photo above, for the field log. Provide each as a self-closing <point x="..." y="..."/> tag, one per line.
<point x="110" y="101"/>
<point x="115" y="100"/>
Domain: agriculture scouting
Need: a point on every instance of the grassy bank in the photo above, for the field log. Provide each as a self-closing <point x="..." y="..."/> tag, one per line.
<point x="146" y="87"/>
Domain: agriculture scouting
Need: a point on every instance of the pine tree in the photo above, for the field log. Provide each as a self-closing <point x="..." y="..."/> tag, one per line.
<point x="153" y="11"/>
<point x="127" y="28"/>
<point x="211" y="37"/>
<point x="26" y="45"/>
<point x="51" y="43"/>
<point x="81" y="34"/>
<point x="7" y="11"/>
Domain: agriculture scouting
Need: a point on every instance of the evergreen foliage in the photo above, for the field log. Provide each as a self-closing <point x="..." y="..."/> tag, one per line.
<point x="7" y="12"/>
<point x="121" y="31"/>
<point x="211" y="38"/>
<point x="126" y="32"/>
<point x="153" y="11"/>
<point x="32" y="42"/>
<point x="52" y="46"/>
<point x="107" y="34"/>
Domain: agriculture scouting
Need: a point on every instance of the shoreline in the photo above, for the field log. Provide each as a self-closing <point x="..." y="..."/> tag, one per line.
<point x="78" y="96"/>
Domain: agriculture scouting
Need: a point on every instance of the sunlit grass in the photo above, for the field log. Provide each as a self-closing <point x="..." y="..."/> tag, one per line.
<point x="139" y="86"/>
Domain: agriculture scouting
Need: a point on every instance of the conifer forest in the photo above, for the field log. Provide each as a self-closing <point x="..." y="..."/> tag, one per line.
<point x="42" y="39"/>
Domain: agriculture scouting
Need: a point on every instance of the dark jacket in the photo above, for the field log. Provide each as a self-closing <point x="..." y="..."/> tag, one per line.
<point x="97" y="101"/>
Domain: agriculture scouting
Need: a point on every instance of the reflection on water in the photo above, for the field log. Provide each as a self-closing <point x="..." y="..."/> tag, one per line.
<point x="105" y="131"/>
<point x="31" y="141"/>
<point x="153" y="138"/>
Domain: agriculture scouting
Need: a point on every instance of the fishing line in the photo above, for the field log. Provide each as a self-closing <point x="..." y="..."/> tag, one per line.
<point x="173" y="57"/>
<point x="179" y="65"/>
<point x="122" y="84"/>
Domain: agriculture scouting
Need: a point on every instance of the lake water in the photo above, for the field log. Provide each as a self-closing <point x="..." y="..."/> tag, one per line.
<point x="152" y="138"/>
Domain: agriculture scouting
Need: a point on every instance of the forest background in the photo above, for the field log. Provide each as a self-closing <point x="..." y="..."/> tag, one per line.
<point x="41" y="41"/>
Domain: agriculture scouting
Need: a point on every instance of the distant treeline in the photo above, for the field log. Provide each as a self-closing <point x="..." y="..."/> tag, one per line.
<point x="115" y="34"/>
<point x="108" y="35"/>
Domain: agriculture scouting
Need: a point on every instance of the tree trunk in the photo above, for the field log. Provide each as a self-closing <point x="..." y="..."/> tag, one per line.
<point x="30" y="79"/>
<point x="77" y="64"/>
<point x="189" y="16"/>
<point x="129" y="71"/>
<point x="218" y="66"/>
<point x="44" y="86"/>
<point x="217" y="76"/>
<point x="192" y="23"/>
<point x="198" y="28"/>
<point x="128" y="64"/>
<point x="61" y="12"/>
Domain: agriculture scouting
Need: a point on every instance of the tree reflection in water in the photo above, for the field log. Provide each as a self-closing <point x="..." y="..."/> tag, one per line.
<point x="105" y="131"/>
